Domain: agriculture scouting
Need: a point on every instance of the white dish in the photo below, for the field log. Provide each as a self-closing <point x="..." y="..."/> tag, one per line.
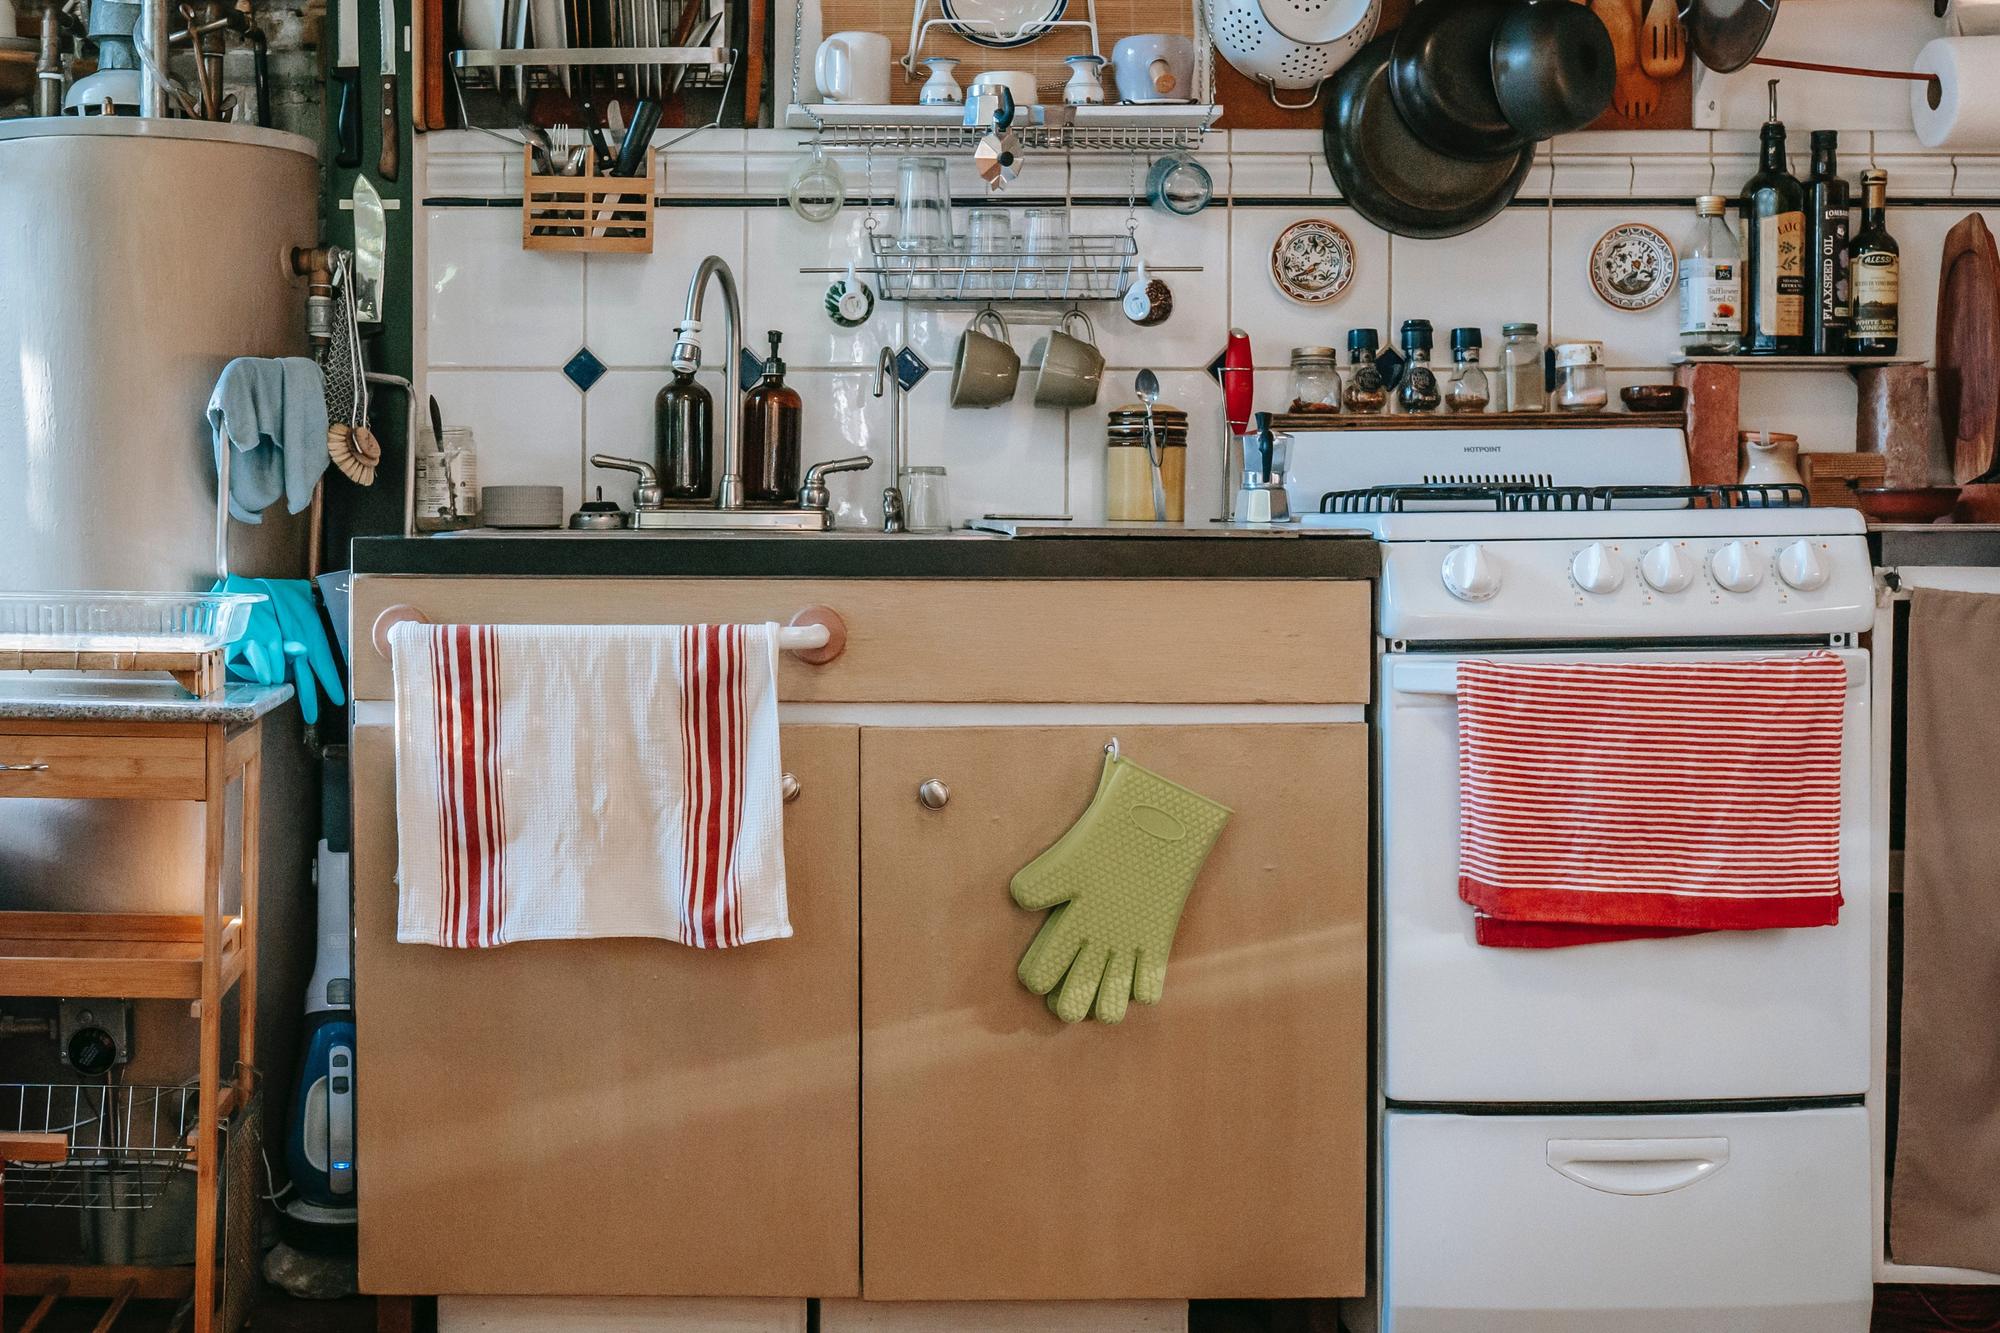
<point x="1002" y="23"/>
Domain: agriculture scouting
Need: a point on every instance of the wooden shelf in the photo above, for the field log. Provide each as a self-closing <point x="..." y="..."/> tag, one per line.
<point x="1798" y="362"/>
<point x="140" y="956"/>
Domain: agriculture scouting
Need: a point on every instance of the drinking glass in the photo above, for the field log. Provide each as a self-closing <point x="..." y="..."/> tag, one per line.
<point x="989" y="245"/>
<point x="923" y="215"/>
<point x="926" y="500"/>
<point x="1047" y="247"/>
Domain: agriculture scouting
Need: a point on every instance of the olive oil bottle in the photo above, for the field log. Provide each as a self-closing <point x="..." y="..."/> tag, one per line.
<point x="1828" y="304"/>
<point x="1877" y="266"/>
<point x="1772" y="216"/>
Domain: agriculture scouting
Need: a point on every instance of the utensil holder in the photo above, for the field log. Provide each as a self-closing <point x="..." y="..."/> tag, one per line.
<point x="587" y="214"/>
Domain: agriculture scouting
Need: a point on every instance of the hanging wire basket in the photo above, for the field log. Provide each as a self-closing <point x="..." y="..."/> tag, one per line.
<point x="1073" y="268"/>
<point x="127" y="1143"/>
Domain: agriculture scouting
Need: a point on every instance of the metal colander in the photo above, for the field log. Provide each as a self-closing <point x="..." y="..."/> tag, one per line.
<point x="1243" y="32"/>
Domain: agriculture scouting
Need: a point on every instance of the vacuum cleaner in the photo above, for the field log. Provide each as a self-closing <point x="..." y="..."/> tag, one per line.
<point x="319" y="1149"/>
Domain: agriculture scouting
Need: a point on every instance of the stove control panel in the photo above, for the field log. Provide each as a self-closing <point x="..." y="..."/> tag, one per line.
<point x="1709" y="586"/>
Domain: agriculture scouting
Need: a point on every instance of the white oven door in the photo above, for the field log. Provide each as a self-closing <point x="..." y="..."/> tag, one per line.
<point x="1730" y="1014"/>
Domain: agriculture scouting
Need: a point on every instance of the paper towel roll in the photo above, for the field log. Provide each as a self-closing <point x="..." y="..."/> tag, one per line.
<point x="1962" y="112"/>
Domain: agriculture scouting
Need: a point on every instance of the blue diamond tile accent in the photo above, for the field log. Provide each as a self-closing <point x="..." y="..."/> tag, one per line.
<point x="584" y="369"/>
<point x="751" y="367"/>
<point x="910" y="369"/>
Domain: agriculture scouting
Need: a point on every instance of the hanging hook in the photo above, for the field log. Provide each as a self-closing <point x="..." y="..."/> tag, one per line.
<point x="1111" y="748"/>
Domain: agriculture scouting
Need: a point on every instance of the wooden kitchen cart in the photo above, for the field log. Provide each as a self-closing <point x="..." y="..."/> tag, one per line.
<point x="68" y="746"/>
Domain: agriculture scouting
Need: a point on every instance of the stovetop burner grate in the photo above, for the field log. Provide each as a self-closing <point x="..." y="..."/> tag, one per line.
<point x="1510" y="499"/>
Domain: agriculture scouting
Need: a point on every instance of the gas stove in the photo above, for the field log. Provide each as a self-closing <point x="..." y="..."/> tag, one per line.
<point x="1580" y="535"/>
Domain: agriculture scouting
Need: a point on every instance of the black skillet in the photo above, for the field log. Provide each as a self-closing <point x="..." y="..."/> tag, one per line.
<point x="1441" y="77"/>
<point x="1553" y="67"/>
<point x="1390" y="176"/>
<point x="1726" y="35"/>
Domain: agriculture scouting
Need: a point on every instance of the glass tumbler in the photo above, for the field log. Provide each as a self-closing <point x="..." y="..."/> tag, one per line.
<point x="1047" y="247"/>
<point x="926" y="499"/>
<point x="989" y="246"/>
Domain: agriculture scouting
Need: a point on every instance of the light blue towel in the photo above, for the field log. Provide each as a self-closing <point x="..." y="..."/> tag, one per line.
<point x="273" y="410"/>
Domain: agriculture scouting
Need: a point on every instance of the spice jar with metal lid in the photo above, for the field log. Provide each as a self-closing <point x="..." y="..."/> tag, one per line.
<point x="1467" y="392"/>
<point x="1419" y="389"/>
<point x="1315" y="379"/>
<point x="1365" y="393"/>
<point x="1580" y="377"/>
<point x="1521" y="373"/>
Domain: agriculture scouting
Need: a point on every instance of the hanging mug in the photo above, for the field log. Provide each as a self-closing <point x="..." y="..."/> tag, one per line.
<point x="1067" y="369"/>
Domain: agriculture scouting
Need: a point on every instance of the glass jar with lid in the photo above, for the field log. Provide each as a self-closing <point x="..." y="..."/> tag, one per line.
<point x="1521" y="373"/>
<point x="1315" y="379"/>
<point x="1580" y="377"/>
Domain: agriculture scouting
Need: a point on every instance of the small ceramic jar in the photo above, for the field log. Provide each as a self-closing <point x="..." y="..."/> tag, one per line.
<point x="1086" y="81"/>
<point x="941" y="89"/>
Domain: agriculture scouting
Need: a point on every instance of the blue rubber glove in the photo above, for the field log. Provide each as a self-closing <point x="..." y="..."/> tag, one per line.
<point x="313" y="664"/>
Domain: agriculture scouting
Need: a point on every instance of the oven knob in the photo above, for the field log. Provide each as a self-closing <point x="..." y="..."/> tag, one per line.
<point x="1597" y="569"/>
<point x="1666" y="568"/>
<point x="1736" y="568"/>
<point x="1800" y="566"/>
<point x="1470" y="574"/>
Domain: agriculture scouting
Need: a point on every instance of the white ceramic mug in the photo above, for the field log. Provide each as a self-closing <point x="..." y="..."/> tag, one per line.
<point x="853" y="67"/>
<point x="1020" y="82"/>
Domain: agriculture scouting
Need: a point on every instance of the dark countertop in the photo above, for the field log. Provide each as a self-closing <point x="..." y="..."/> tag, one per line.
<point x="1894" y="544"/>
<point x="1210" y="551"/>
<point x="66" y="699"/>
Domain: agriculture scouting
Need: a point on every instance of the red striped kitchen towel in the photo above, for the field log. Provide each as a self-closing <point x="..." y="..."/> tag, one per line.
<point x="588" y="782"/>
<point x="1603" y="801"/>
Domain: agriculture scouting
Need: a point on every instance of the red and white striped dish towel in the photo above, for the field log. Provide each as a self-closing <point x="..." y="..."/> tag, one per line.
<point x="1607" y="801"/>
<point x="559" y="782"/>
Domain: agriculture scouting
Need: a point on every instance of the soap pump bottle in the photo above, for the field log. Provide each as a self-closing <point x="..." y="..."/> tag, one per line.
<point x="773" y="415"/>
<point x="683" y="417"/>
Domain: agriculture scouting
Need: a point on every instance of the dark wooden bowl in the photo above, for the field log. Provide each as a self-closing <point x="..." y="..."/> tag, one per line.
<point x="1918" y="504"/>
<point x="1654" y="397"/>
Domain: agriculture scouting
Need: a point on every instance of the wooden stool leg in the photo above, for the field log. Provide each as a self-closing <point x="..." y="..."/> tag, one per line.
<point x="207" y="1167"/>
<point x="246" y="992"/>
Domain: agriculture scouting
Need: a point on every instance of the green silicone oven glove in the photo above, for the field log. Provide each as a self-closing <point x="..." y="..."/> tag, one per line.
<point x="1121" y="876"/>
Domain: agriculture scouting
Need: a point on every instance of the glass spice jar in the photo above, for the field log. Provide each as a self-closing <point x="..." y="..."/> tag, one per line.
<point x="1520" y="372"/>
<point x="1467" y="392"/>
<point x="1366" y="394"/>
<point x="1419" y="390"/>
<point x="1315" y="379"/>
<point x="1580" y="377"/>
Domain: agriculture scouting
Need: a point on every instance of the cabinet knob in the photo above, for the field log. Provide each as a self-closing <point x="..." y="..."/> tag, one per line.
<point x="788" y="787"/>
<point x="933" y="794"/>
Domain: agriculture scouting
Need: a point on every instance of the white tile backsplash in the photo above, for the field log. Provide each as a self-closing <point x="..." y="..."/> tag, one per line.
<point x="501" y="321"/>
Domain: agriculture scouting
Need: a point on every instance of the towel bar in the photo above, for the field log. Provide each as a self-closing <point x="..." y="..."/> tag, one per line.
<point x="816" y="635"/>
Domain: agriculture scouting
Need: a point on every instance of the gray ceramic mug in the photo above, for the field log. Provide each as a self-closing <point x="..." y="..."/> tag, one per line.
<point x="1067" y="370"/>
<point x="986" y="367"/>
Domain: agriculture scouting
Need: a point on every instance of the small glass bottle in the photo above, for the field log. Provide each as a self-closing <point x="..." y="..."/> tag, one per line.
<point x="1419" y="389"/>
<point x="773" y="417"/>
<point x="1711" y="282"/>
<point x="1580" y="377"/>
<point x="1467" y="392"/>
<point x="1315" y="379"/>
<point x="1366" y="394"/>
<point x="1521" y="372"/>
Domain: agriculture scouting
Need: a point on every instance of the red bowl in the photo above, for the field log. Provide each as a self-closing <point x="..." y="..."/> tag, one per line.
<point x="1916" y="504"/>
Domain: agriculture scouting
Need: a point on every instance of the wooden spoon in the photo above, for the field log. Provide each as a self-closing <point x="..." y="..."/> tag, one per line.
<point x="1662" y="44"/>
<point x="1633" y="94"/>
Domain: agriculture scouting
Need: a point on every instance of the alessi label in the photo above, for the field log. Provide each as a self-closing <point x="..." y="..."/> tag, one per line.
<point x="1877" y="278"/>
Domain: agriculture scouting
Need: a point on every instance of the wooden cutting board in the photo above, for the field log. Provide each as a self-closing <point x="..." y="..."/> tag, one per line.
<point x="1968" y="348"/>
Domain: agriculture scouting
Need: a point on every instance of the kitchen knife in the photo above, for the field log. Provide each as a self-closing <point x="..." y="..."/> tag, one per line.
<point x="371" y="251"/>
<point x="385" y="166"/>
<point x="347" y="74"/>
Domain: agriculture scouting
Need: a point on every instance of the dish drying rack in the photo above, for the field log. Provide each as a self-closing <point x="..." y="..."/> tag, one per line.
<point x="127" y="1143"/>
<point x="1110" y="128"/>
<point x="1083" y="268"/>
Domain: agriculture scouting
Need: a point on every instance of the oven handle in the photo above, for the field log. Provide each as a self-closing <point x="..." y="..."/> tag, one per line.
<point x="1441" y="677"/>
<point x="1638" y="1166"/>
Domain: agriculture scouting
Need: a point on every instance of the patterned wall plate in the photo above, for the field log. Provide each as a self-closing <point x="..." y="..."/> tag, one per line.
<point x="1632" y="266"/>
<point x="1312" y="261"/>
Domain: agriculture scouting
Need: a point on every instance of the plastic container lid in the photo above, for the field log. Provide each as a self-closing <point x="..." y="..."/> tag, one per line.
<point x="1465" y="339"/>
<point x="1363" y="340"/>
<point x="1416" y="334"/>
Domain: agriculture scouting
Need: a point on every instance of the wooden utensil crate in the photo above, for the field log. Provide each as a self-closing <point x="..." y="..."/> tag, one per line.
<point x="589" y="214"/>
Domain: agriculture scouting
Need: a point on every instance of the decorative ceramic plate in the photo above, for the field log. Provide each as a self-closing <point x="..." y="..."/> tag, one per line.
<point x="1002" y="23"/>
<point x="1312" y="261"/>
<point x="1632" y="266"/>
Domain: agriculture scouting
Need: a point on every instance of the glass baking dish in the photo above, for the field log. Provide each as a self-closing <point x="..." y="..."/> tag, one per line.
<point x="123" y="622"/>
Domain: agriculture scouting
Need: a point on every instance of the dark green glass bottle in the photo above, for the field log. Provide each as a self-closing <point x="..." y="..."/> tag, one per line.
<point x="1772" y="216"/>
<point x="1877" y="267"/>
<point x="1828" y="308"/>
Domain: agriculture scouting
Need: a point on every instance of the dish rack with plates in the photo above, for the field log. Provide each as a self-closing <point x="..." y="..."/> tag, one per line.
<point x="1136" y="128"/>
<point x="127" y="1143"/>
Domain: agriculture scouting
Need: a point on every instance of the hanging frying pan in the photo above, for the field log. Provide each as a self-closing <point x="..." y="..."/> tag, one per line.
<point x="1553" y="67"/>
<point x="1441" y="77"/>
<point x="1726" y="35"/>
<point x="1393" y="178"/>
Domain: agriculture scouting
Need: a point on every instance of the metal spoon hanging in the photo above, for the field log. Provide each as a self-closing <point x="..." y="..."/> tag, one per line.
<point x="1147" y="386"/>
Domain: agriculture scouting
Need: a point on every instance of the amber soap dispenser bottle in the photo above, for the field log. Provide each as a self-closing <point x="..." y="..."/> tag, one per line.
<point x="773" y="417"/>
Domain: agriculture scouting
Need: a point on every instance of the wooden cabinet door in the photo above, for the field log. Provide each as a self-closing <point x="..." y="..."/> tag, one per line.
<point x="614" y="1117"/>
<point x="1213" y="1146"/>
